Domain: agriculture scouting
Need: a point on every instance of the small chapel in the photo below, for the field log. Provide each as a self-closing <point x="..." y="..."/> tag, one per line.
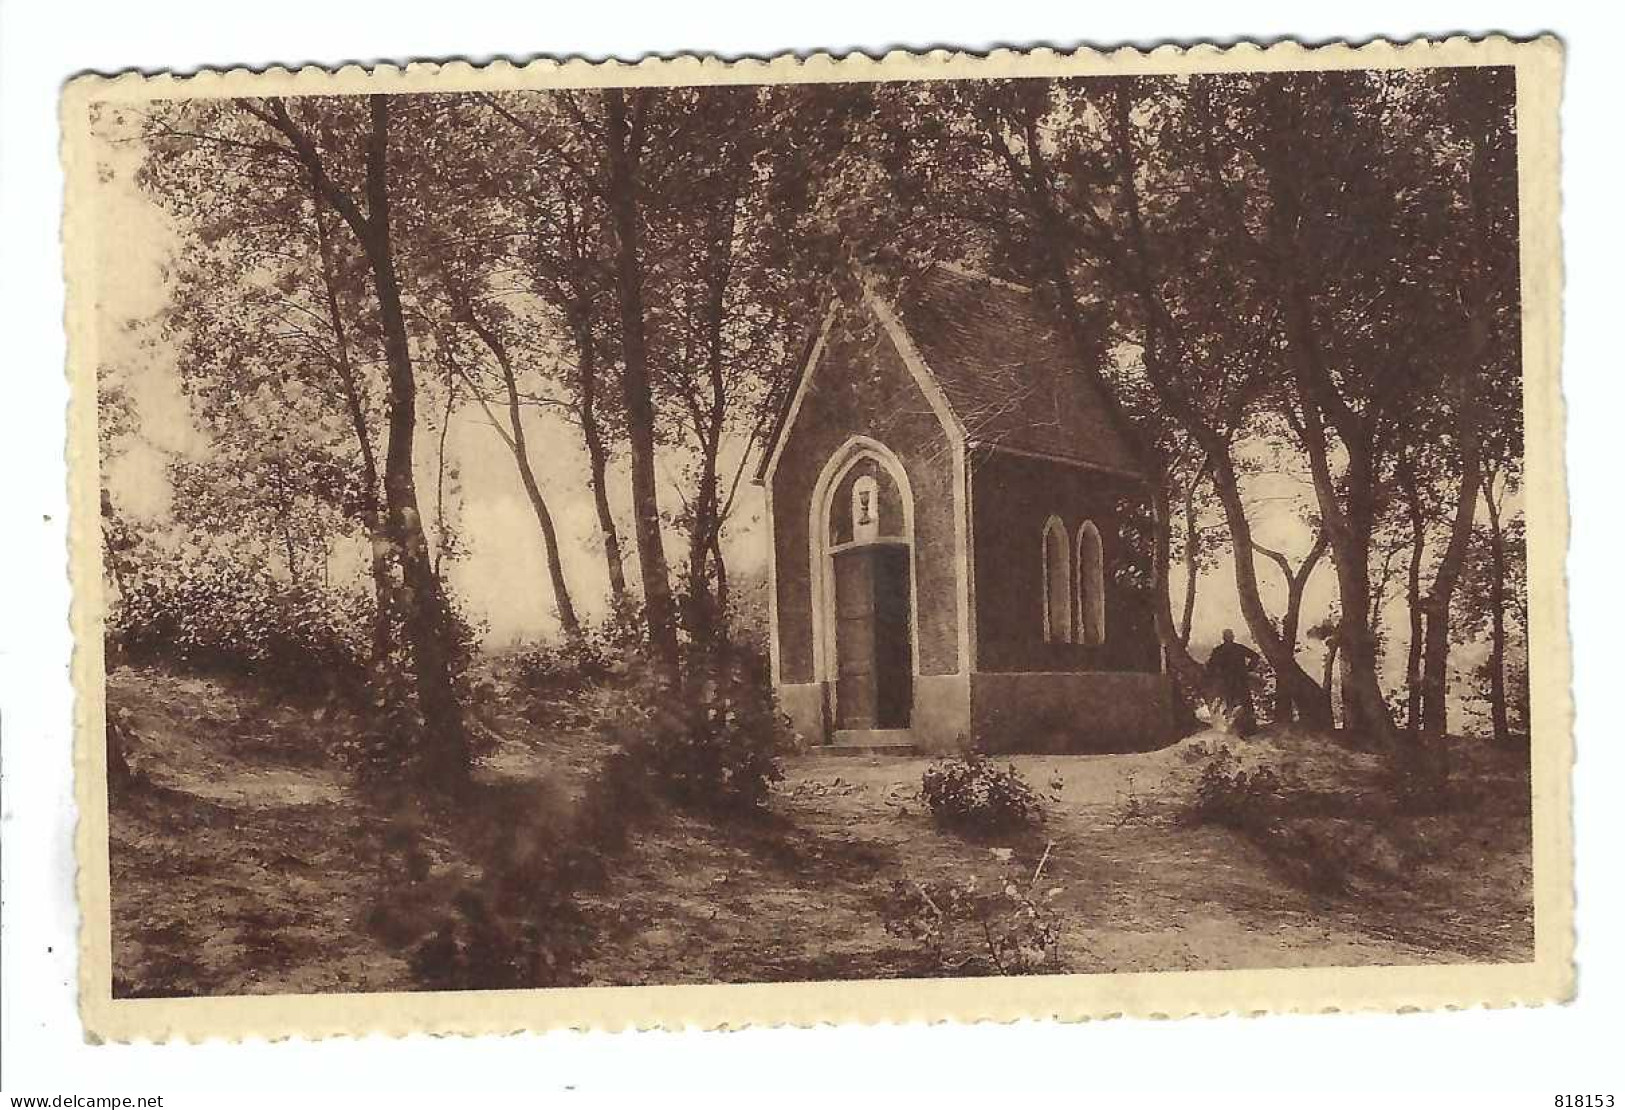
<point x="960" y="537"/>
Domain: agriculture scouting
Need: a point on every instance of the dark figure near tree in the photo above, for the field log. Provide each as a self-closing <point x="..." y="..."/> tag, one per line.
<point x="1229" y="678"/>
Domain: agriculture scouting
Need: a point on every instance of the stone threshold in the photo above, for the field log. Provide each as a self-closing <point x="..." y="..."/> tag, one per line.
<point x="865" y="741"/>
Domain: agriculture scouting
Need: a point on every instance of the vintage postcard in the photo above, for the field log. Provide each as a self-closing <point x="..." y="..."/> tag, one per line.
<point x="704" y="543"/>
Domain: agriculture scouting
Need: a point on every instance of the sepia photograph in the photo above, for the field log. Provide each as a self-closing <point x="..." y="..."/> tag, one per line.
<point x="689" y="526"/>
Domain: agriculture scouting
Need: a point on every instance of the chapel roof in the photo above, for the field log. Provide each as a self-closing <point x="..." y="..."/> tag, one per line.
<point x="1005" y="370"/>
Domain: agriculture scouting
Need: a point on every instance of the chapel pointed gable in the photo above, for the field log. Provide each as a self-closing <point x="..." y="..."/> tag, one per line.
<point x="1007" y="371"/>
<point x="860" y="384"/>
<point x="999" y="370"/>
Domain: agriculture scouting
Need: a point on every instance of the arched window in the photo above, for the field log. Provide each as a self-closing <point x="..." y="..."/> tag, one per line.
<point x="1091" y="586"/>
<point x="1057" y="584"/>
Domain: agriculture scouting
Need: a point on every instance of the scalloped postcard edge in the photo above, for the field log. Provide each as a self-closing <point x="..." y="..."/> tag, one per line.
<point x="1550" y="977"/>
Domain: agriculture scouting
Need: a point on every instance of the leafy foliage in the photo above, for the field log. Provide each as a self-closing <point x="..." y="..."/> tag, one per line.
<point x="1002" y="924"/>
<point x="398" y="740"/>
<point x="517" y="923"/>
<point x="566" y="666"/>
<point x="1416" y="775"/>
<point x="1322" y="841"/>
<point x="971" y="794"/>
<point x="213" y="615"/>
<point x="502" y="946"/>
<point x="1230" y="795"/>
<point x="712" y="740"/>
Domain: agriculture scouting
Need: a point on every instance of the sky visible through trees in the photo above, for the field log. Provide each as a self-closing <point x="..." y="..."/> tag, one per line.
<point x="1302" y="290"/>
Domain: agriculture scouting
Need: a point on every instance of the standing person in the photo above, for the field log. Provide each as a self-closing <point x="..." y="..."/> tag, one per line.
<point x="1229" y="675"/>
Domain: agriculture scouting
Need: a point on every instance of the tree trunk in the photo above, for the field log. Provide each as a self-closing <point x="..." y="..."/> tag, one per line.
<point x="1365" y="709"/>
<point x="288" y="553"/>
<point x="1186" y="671"/>
<point x="1499" y="724"/>
<point x="592" y="435"/>
<point x="568" y="621"/>
<point x="424" y="607"/>
<point x="598" y="480"/>
<point x="1284" y="706"/>
<point x="1328" y="670"/>
<point x="1413" y="599"/>
<point x="1350" y="529"/>
<point x="1163" y="371"/>
<point x="702" y="530"/>
<point x="720" y="567"/>
<point x="1308" y="699"/>
<point x="441" y="528"/>
<point x="518" y="446"/>
<point x="1296" y="582"/>
<point x="623" y="139"/>
<point x="1435" y="660"/>
<point x="1347" y="508"/>
<point x="1192" y="567"/>
<point x="1350" y="526"/>
<point x="707" y="403"/>
<point x="378" y="544"/>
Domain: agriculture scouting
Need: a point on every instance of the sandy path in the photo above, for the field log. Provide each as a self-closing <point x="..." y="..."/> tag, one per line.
<point x="250" y="867"/>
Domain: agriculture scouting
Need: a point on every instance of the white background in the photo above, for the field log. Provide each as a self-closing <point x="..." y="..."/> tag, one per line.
<point x="1510" y="1057"/>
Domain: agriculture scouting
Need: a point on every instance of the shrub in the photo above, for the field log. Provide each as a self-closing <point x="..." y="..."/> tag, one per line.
<point x="970" y="794"/>
<point x="483" y="949"/>
<point x="515" y="922"/>
<point x="208" y="614"/>
<point x="1307" y="856"/>
<point x="1229" y="795"/>
<point x="1416" y="775"/>
<point x="560" y="668"/>
<point x="1002" y="925"/>
<point x="1256" y="804"/>
<point x="391" y="736"/>
<point x="213" y="615"/>
<point x="393" y="740"/>
<point x="1132" y="806"/>
<point x="711" y="739"/>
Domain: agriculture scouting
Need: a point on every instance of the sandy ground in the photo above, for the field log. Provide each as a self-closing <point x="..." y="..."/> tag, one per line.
<point x="248" y="865"/>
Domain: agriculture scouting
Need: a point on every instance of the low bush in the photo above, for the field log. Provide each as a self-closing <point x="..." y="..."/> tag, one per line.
<point x="1001" y="925"/>
<point x="1228" y="794"/>
<point x="486" y="948"/>
<point x="393" y="740"/>
<point x="561" y="668"/>
<point x="519" y="922"/>
<point x="1416" y="775"/>
<point x="1133" y="806"/>
<point x="1307" y="856"/>
<point x="969" y="793"/>
<point x="1310" y="852"/>
<point x="712" y="739"/>
<point x="216" y="616"/>
<point x="514" y="922"/>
